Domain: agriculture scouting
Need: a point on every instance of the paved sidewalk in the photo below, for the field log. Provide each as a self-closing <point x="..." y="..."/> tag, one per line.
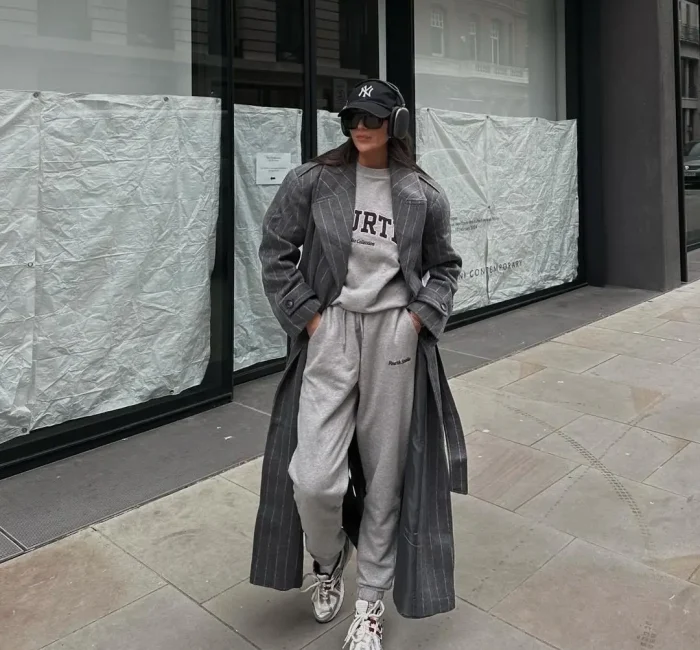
<point x="582" y="530"/>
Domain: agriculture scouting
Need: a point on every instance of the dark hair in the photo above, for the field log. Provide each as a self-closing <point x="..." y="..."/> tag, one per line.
<point x="400" y="153"/>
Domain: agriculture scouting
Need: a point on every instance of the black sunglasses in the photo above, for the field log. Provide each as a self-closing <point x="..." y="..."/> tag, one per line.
<point x="353" y="120"/>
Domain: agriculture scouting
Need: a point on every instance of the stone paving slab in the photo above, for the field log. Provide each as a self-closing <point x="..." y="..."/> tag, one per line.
<point x="691" y="360"/>
<point x="626" y="451"/>
<point x="591" y="599"/>
<point x="695" y="578"/>
<point x="678" y="331"/>
<point x="643" y="522"/>
<point x="501" y="373"/>
<point x="564" y="357"/>
<point x="588" y="394"/>
<point x="56" y="590"/>
<point x="508" y="474"/>
<point x="247" y="475"/>
<point x="163" y="620"/>
<point x="658" y="307"/>
<point x="508" y="416"/>
<point x="674" y="417"/>
<point x="629" y="321"/>
<point x="199" y="539"/>
<point x="497" y="550"/>
<point x="681" y="474"/>
<point x="683" y="315"/>
<point x="633" y="345"/>
<point x="639" y="373"/>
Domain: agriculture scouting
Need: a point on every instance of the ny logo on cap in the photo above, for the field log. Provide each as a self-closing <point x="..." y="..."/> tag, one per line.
<point x="366" y="91"/>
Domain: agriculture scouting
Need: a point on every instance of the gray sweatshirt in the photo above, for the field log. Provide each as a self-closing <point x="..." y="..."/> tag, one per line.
<point x="374" y="281"/>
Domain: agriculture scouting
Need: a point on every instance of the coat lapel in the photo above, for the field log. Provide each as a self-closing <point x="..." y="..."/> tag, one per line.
<point x="409" y="205"/>
<point x="334" y="212"/>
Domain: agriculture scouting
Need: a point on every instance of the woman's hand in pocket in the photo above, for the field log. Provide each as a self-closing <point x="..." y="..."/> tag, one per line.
<point x="313" y="324"/>
<point x="417" y="323"/>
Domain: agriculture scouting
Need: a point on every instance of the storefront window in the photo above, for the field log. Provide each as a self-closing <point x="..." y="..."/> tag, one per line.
<point x="491" y="127"/>
<point x="110" y="164"/>
<point x="689" y="31"/>
<point x="348" y="52"/>
<point x="268" y="126"/>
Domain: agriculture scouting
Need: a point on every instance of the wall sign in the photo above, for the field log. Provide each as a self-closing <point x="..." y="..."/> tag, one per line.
<point x="271" y="168"/>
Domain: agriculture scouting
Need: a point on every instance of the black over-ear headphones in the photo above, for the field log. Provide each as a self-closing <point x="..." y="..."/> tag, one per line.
<point x="400" y="118"/>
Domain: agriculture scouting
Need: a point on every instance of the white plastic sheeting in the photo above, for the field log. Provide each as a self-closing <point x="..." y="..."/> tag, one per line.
<point x="329" y="133"/>
<point x="513" y="188"/>
<point x="257" y="335"/>
<point x="107" y="235"/>
<point x="257" y="129"/>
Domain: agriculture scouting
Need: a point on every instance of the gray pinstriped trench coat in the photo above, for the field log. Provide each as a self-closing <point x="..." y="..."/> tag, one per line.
<point x="314" y="208"/>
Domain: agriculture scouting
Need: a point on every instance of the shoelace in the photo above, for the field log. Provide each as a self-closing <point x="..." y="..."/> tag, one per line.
<point x="366" y="629"/>
<point x="321" y="586"/>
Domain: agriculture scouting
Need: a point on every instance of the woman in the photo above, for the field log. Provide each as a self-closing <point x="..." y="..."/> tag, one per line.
<point x="364" y="392"/>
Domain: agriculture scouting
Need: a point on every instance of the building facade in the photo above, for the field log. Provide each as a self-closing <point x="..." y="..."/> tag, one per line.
<point x="689" y="67"/>
<point x="689" y="38"/>
<point x="142" y="140"/>
<point x="474" y="56"/>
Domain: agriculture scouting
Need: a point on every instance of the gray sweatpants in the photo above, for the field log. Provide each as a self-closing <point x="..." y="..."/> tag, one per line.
<point x="359" y="377"/>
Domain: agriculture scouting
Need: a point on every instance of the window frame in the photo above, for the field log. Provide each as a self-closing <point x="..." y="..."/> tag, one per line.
<point x="439" y="12"/>
<point x="473" y="37"/>
<point x="496" y="41"/>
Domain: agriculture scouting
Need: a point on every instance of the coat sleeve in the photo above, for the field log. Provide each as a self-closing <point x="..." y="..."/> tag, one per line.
<point x="433" y="304"/>
<point x="293" y="301"/>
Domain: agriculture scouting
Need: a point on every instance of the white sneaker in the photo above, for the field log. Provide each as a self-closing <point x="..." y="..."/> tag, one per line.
<point x="366" y="630"/>
<point x="328" y="591"/>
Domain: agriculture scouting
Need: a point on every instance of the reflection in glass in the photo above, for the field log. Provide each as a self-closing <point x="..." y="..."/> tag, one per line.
<point x="348" y="52"/>
<point x="137" y="47"/>
<point x="491" y="128"/>
<point x="268" y="102"/>
<point x="689" y="31"/>
<point x="62" y="18"/>
<point x="269" y="53"/>
<point x="437" y="31"/>
<point x="496" y="58"/>
<point x="347" y="48"/>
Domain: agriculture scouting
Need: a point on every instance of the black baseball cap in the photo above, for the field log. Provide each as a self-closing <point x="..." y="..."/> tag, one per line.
<point x="373" y="97"/>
